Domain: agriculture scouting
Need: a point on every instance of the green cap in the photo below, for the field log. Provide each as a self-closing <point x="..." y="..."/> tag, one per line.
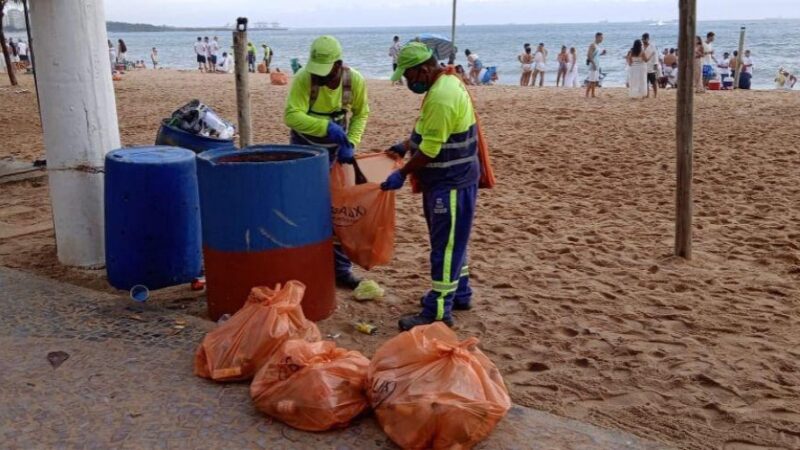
<point x="411" y="55"/>
<point x="325" y="50"/>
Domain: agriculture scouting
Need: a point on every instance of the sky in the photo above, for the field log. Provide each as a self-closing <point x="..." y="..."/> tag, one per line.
<point x="366" y="13"/>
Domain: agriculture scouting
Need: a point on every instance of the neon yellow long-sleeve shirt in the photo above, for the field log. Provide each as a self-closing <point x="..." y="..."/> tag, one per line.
<point x="447" y="110"/>
<point x="298" y="115"/>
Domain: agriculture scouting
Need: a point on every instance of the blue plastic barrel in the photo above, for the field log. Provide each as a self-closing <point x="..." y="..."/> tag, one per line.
<point x="152" y="217"/>
<point x="169" y="135"/>
<point x="266" y="213"/>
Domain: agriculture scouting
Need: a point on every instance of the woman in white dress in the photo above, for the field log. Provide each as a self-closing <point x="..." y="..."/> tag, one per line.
<point x="572" y="68"/>
<point x="637" y="71"/>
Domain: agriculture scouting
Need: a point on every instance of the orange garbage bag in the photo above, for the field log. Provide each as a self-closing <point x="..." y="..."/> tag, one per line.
<point x="312" y="386"/>
<point x="236" y="349"/>
<point x="278" y="77"/>
<point x="363" y="214"/>
<point x="429" y="390"/>
<point x="262" y="68"/>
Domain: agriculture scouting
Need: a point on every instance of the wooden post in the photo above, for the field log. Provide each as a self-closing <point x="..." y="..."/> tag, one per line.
<point x="242" y="82"/>
<point x="684" y="127"/>
<point x="739" y="59"/>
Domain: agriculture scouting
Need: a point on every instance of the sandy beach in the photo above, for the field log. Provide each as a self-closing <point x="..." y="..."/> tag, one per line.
<point x="578" y="299"/>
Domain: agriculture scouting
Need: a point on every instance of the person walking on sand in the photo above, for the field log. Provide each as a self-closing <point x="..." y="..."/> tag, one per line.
<point x="200" y="52"/>
<point x="394" y="50"/>
<point x="572" y="69"/>
<point x="539" y="64"/>
<point x="444" y="162"/>
<point x="637" y="71"/>
<point x="526" y="59"/>
<point x="321" y="97"/>
<point x="650" y="58"/>
<point x="154" y="57"/>
<point x="563" y="60"/>
<point x="475" y="66"/>
<point x="593" y="61"/>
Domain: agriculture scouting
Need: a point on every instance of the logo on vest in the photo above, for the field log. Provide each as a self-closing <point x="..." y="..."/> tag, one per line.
<point x="439" y="207"/>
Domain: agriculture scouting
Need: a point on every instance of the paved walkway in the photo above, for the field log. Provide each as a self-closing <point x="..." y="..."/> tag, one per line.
<point x="127" y="383"/>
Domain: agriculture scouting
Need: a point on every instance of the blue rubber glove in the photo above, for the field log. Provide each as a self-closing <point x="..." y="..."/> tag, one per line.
<point x="346" y="154"/>
<point x="337" y="134"/>
<point x="398" y="149"/>
<point x="394" y="181"/>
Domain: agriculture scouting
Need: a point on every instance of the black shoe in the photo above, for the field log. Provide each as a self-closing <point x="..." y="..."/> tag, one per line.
<point x="348" y="281"/>
<point x="409" y="322"/>
<point x="456" y="306"/>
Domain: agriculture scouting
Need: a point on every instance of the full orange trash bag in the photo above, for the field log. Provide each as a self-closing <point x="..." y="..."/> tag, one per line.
<point x="236" y="349"/>
<point x="278" y="77"/>
<point x="429" y="390"/>
<point x="363" y="214"/>
<point x="312" y="386"/>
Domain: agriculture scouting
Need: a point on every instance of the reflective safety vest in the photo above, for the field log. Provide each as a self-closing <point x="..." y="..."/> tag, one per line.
<point x="339" y="117"/>
<point x="457" y="165"/>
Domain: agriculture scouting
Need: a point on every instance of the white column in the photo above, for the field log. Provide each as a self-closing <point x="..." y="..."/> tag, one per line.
<point x="79" y="119"/>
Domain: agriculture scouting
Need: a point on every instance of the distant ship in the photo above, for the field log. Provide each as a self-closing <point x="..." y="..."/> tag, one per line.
<point x="271" y="26"/>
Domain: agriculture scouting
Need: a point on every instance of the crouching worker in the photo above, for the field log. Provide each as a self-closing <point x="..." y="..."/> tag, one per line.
<point x="321" y="97"/>
<point x="445" y="165"/>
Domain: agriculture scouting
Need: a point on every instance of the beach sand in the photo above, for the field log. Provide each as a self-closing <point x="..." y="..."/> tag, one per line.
<point x="577" y="297"/>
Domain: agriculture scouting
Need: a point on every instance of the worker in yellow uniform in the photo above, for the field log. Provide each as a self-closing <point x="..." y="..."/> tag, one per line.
<point x="445" y="163"/>
<point x="327" y="107"/>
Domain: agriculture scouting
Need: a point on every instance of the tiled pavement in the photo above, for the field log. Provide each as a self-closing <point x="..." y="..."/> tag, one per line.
<point x="128" y="383"/>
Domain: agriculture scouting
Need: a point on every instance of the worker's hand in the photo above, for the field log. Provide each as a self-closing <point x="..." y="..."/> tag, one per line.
<point x="394" y="181"/>
<point x="337" y="134"/>
<point x="346" y="154"/>
<point x="398" y="149"/>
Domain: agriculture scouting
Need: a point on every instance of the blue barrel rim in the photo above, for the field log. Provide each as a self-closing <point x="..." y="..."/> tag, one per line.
<point x="165" y="124"/>
<point x="118" y="152"/>
<point x="214" y="155"/>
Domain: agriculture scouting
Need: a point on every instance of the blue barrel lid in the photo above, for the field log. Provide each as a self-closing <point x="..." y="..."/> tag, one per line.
<point x="152" y="154"/>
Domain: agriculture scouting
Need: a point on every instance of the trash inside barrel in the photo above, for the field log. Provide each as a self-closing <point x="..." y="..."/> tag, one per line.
<point x="266" y="215"/>
<point x="152" y="217"/>
<point x="198" y="127"/>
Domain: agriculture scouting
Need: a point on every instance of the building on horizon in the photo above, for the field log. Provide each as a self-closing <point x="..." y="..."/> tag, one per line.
<point x="14" y="19"/>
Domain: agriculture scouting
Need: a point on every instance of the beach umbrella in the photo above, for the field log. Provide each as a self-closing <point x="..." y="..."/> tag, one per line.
<point x="443" y="48"/>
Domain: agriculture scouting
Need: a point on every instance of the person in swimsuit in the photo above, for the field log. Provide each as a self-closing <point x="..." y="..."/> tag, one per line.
<point x="539" y="64"/>
<point x="563" y="60"/>
<point x="593" y="61"/>
<point x="475" y="67"/>
<point x="526" y="59"/>
<point x="572" y="68"/>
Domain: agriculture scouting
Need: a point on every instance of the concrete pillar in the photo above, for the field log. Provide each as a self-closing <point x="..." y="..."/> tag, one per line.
<point x="79" y="119"/>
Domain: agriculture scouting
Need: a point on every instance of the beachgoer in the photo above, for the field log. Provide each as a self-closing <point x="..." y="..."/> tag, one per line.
<point x="320" y="98"/>
<point x="563" y="60"/>
<point x="672" y="77"/>
<point x="394" y="50"/>
<point x="572" y="69"/>
<point x="593" y="61"/>
<point x="785" y="80"/>
<point x="670" y="58"/>
<point x="444" y="160"/>
<point x="225" y="64"/>
<point x="724" y="67"/>
<point x="200" y="52"/>
<point x="213" y="50"/>
<point x="709" y="60"/>
<point x="650" y="58"/>
<point x="154" y="57"/>
<point x="526" y="59"/>
<point x="637" y="71"/>
<point x="122" y="52"/>
<point x="734" y="63"/>
<point x="112" y="55"/>
<point x="251" y="57"/>
<point x="539" y="64"/>
<point x="267" y="55"/>
<point x="747" y="71"/>
<point x="463" y="74"/>
<point x="22" y="53"/>
<point x="475" y="66"/>
<point x="699" y="53"/>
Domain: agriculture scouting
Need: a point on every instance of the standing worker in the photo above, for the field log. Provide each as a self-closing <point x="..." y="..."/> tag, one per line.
<point x="321" y="97"/>
<point x="251" y="57"/>
<point x="445" y="164"/>
<point x="267" y="55"/>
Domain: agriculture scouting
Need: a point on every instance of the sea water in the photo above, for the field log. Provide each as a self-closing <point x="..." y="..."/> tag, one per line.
<point x="773" y="43"/>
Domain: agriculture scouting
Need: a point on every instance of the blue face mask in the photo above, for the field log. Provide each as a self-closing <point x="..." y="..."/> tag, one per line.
<point x="418" y="87"/>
